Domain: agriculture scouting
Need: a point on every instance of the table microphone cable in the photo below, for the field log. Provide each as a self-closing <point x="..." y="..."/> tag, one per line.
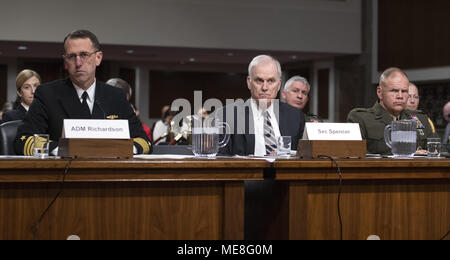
<point x="339" y="191"/>
<point x="61" y="188"/>
<point x="445" y="236"/>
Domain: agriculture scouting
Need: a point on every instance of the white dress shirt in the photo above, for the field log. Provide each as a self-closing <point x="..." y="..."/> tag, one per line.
<point x="258" y="120"/>
<point x="25" y="106"/>
<point x="159" y="130"/>
<point x="91" y="95"/>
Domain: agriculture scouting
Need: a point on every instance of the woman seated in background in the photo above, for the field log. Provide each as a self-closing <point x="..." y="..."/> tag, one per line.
<point x="26" y="83"/>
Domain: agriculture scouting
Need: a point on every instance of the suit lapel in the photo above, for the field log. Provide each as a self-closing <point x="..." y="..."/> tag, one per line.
<point x="249" y="128"/>
<point x="287" y="126"/>
<point x="100" y="102"/>
<point x="70" y="102"/>
<point x="282" y="118"/>
<point x="22" y="111"/>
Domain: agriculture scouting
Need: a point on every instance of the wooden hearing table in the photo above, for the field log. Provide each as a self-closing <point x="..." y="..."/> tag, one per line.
<point x="126" y="199"/>
<point x="393" y="199"/>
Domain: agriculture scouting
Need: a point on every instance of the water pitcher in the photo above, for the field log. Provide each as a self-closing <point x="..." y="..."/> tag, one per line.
<point x="205" y="136"/>
<point x="401" y="137"/>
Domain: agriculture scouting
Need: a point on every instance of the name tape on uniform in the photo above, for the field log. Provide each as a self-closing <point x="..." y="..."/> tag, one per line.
<point x="95" y="129"/>
<point x="332" y="132"/>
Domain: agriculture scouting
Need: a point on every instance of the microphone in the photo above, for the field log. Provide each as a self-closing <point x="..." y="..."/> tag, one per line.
<point x="99" y="106"/>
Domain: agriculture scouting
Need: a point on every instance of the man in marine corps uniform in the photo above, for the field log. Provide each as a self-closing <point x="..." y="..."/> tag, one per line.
<point x="392" y="94"/>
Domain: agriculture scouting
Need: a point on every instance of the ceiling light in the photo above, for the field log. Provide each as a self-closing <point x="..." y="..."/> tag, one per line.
<point x="192" y="60"/>
<point x="230" y="54"/>
<point x="22" y="48"/>
<point x="294" y="57"/>
<point x="130" y="51"/>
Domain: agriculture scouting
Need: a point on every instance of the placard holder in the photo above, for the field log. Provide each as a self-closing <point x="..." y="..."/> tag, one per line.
<point x="95" y="148"/>
<point x="311" y="149"/>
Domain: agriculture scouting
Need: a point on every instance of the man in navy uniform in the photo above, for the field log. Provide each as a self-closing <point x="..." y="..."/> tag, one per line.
<point x="80" y="96"/>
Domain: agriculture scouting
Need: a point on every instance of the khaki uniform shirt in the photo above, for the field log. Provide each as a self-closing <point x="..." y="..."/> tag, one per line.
<point x="373" y="120"/>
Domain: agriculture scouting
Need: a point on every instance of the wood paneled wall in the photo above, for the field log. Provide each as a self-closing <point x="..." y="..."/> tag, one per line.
<point x="129" y="75"/>
<point x="3" y="84"/>
<point x="413" y="34"/>
<point x="165" y="87"/>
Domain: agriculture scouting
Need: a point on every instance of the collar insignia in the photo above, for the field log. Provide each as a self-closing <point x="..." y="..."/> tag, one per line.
<point x="112" y="117"/>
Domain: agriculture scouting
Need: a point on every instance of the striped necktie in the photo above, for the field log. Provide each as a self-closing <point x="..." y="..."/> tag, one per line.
<point x="269" y="135"/>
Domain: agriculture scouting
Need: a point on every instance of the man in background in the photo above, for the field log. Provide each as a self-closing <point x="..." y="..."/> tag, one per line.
<point x="128" y="91"/>
<point x="446" y="138"/>
<point x="296" y="93"/>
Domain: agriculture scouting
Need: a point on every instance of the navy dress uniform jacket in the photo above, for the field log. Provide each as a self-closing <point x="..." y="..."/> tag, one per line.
<point x="18" y="114"/>
<point x="53" y="102"/>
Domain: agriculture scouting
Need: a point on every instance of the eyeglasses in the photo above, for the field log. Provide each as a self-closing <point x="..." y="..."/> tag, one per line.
<point x="84" y="56"/>
<point x="415" y="97"/>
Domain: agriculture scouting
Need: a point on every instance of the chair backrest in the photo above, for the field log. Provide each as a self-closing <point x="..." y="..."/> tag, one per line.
<point x="8" y="133"/>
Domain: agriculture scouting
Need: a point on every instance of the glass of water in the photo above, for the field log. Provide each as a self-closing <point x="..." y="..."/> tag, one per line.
<point x="41" y="146"/>
<point x="284" y="146"/>
<point x="433" y="147"/>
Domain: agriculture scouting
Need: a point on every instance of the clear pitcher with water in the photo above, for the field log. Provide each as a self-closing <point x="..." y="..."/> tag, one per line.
<point x="206" y="134"/>
<point x="401" y="137"/>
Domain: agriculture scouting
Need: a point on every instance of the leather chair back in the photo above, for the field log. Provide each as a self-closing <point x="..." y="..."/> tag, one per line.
<point x="8" y="133"/>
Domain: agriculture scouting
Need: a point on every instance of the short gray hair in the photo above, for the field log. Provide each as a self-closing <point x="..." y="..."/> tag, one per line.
<point x="390" y="72"/>
<point x="122" y="84"/>
<point x="297" y="79"/>
<point x="258" y="59"/>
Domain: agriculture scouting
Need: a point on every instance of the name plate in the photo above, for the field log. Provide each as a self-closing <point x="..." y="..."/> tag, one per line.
<point x="95" y="129"/>
<point x="332" y="132"/>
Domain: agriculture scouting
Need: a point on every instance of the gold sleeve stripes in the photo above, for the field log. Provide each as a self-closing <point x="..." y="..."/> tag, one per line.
<point x="144" y="144"/>
<point x="30" y="145"/>
<point x="432" y="125"/>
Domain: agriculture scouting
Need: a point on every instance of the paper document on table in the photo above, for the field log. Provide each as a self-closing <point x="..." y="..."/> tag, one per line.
<point x="163" y="156"/>
<point x="9" y="157"/>
<point x="270" y="159"/>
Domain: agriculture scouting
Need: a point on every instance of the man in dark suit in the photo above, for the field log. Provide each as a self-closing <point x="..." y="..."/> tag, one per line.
<point x="80" y="96"/>
<point x="257" y="123"/>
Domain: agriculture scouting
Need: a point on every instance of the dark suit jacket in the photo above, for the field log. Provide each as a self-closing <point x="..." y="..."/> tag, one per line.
<point x="242" y="142"/>
<point x="58" y="100"/>
<point x="18" y="114"/>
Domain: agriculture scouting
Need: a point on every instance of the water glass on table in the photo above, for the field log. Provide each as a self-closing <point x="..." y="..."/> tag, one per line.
<point x="284" y="146"/>
<point x="433" y="147"/>
<point x="41" y="146"/>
